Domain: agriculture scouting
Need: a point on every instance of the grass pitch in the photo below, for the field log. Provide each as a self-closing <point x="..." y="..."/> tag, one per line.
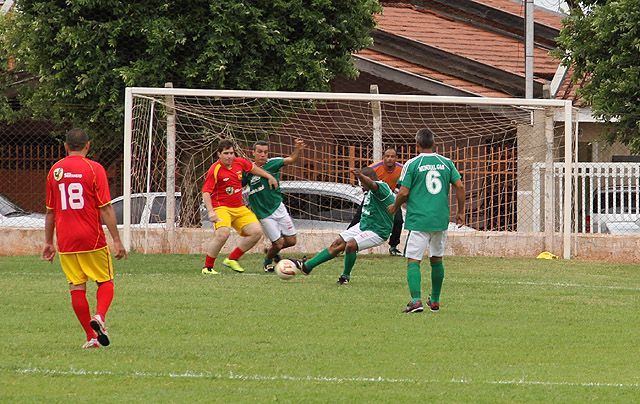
<point x="509" y="330"/>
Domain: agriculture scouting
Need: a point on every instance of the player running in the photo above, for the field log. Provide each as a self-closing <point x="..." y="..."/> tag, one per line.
<point x="222" y="196"/>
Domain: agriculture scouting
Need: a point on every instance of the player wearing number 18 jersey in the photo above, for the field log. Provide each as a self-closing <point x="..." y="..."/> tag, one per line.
<point x="78" y="202"/>
<point x="424" y="185"/>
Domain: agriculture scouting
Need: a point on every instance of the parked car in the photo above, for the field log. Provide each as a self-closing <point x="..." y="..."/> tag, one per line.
<point x="615" y="211"/>
<point x="148" y="210"/>
<point x="312" y="205"/>
<point x="11" y="215"/>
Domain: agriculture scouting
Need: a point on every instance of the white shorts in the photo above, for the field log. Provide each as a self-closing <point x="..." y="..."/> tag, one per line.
<point x="278" y="224"/>
<point x="417" y="242"/>
<point x="364" y="239"/>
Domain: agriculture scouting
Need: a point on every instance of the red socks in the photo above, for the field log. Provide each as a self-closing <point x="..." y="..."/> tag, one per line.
<point x="209" y="261"/>
<point x="81" y="308"/>
<point x="236" y="254"/>
<point x="104" y="296"/>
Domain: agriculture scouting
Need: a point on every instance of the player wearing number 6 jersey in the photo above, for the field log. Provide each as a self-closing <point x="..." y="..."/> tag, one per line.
<point x="78" y="202"/>
<point x="424" y="184"/>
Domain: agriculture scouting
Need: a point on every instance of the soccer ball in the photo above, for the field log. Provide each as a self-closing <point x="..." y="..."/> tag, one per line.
<point x="286" y="269"/>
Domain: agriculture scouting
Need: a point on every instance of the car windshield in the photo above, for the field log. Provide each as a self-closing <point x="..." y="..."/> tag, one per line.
<point x="8" y="208"/>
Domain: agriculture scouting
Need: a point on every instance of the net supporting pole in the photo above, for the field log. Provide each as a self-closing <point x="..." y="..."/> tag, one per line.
<point x="126" y="180"/>
<point x="549" y="217"/>
<point x="568" y="190"/>
<point x="148" y="188"/>
<point x="376" y="111"/>
<point x="171" y="170"/>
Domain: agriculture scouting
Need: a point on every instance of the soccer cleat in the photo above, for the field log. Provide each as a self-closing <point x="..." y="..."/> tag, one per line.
<point x="395" y="252"/>
<point x="98" y="326"/>
<point x="92" y="343"/>
<point x="209" y="271"/>
<point x="343" y="280"/>
<point x="233" y="264"/>
<point x="434" y="306"/>
<point x="414" y="307"/>
<point x="300" y="266"/>
<point x="269" y="267"/>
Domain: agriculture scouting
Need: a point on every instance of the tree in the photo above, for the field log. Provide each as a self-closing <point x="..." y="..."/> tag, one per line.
<point x="600" y="40"/>
<point x="84" y="53"/>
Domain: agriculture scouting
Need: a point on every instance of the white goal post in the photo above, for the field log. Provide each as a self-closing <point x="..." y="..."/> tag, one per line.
<point x="170" y="136"/>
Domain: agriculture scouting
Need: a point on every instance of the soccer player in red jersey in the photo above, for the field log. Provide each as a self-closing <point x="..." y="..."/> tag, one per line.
<point x="222" y="196"/>
<point x="78" y="202"/>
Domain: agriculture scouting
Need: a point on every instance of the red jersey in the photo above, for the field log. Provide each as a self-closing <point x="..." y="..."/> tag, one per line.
<point x="76" y="190"/>
<point x="225" y="185"/>
<point x="390" y="177"/>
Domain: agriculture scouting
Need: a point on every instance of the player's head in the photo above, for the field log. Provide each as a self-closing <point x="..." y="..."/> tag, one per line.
<point x="390" y="157"/>
<point x="424" y="138"/>
<point x="226" y="151"/>
<point x="76" y="140"/>
<point x="260" y="152"/>
<point x="368" y="172"/>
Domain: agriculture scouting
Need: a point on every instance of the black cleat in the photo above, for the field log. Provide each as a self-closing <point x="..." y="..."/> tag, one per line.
<point x="395" y="252"/>
<point x="343" y="280"/>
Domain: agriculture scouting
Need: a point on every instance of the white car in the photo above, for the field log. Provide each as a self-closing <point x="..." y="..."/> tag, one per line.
<point x="316" y="205"/>
<point x="615" y="211"/>
<point x="11" y="215"/>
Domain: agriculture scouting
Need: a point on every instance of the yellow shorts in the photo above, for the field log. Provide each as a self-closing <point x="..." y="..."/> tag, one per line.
<point x="235" y="217"/>
<point x="80" y="267"/>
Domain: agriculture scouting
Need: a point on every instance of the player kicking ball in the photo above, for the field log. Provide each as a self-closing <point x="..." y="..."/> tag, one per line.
<point x="373" y="229"/>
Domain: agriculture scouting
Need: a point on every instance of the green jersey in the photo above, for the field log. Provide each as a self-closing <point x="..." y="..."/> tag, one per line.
<point x="429" y="177"/>
<point x="263" y="200"/>
<point x="375" y="216"/>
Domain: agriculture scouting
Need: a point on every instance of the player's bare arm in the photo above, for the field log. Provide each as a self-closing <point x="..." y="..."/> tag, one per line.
<point x="366" y="182"/>
<point x="211" y="213"/>
<point x="273" y="183"/>
<point x="108" y="216"/>
<point x="401" y="198"/>
<point x="49" y="250"/>
<point x="297" y="152"/>
<point x="460" y="199"/>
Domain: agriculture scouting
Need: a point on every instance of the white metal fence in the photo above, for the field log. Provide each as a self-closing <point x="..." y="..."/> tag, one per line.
<point x="606" y="197"/>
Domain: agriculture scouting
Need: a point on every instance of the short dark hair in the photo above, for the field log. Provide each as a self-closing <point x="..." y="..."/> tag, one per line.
<point x="225" y="144"/>
<point x="369" y="172"/>
<point x="76" y="139"/>
<point x="260" y="143"/>
<point x="424" y="138"/>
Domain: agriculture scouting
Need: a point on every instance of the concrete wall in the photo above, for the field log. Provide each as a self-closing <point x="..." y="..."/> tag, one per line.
<point x="498" y="244"/>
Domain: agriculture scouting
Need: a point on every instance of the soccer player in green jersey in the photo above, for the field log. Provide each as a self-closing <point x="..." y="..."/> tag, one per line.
<point x="373" y="229"/>
<point x="424" y="186"/>
<point x="267" y="204"/>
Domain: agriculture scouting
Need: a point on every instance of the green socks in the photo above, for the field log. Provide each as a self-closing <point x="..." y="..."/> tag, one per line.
<point x="319" y="258"/>
<point x="437" y="276"/>
<point x="414" y="279"/>
<point x="349" y="262"/>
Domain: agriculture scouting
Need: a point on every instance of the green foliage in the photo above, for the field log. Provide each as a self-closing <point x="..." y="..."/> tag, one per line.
<point x="84" y="53"/>
<point x="510" y="330"/>
<point x="602" y="43"/>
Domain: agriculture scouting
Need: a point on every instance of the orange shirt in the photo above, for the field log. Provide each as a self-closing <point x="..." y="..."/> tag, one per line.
<point x="390" y="177"/>
<point x="76" y="190"/>
<point x="225" y="185"/>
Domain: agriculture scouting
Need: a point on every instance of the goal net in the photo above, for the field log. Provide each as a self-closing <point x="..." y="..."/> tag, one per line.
<point x="171" y="136"/>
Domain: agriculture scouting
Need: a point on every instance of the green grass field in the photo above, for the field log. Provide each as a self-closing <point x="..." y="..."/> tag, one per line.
<point x="510" y="330"/>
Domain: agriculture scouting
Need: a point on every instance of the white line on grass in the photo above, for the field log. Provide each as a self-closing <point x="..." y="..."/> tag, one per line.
<point x="325" y="379"/>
